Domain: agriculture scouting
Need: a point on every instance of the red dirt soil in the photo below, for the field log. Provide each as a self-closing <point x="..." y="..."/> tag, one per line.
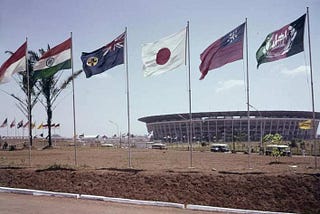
<point x="222" y="180"/>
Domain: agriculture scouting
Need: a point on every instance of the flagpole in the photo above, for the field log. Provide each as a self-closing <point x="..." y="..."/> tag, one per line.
<point x="312" y="95"/>
<point x="248" y="97"/>
<point x="189" y="90"/>
<point x="15" y="129"/>
<point x="7" y="129"/>
<point x="29" y="103"/>
<point x="128" y="103"/>
<point x="73" y="107"/>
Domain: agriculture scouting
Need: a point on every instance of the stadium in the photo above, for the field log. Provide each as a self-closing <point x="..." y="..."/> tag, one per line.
<point x="229" y="126"/>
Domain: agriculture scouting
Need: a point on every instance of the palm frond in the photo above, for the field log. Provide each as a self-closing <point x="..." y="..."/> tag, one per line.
<point x="8" y="52"/>
<point x="67" y="81"/>
<point x="23" y="109"/>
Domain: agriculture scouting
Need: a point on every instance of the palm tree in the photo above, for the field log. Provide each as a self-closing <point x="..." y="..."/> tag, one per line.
<point x="22" y="80"/>
<point x="47" y="87"/>
<point x="50" y="91"/>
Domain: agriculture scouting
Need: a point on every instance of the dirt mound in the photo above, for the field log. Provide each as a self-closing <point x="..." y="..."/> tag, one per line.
<point x="217" y="179"/>
<point x="287" y="193"/>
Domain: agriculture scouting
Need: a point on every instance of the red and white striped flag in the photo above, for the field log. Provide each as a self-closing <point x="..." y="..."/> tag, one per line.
<point x="16" y="63"/>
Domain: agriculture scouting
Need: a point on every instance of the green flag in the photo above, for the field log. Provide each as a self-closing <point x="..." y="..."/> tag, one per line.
<point x="282" y="43"/>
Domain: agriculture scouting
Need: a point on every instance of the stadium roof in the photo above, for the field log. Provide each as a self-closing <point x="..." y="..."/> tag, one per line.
<point x="225" y="114"/>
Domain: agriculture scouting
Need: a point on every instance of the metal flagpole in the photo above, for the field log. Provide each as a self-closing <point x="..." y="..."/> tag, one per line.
<point x="189" y="90"/>
<point x="15" y="129"/>
<point x="314" y="131"/>
<point x="8" y="128"/>
<point x="128" y="103"/>
<point x="29" y="103"/>
<point x="73" y="107"/>
<point x="248" y="98"/>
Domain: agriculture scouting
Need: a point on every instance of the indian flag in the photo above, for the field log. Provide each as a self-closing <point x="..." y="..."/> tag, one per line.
<point x="16" y="63"/>
<point x="54" y="60"/>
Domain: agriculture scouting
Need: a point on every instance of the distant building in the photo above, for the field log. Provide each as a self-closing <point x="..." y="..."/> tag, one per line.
<point x="230" y="126"/>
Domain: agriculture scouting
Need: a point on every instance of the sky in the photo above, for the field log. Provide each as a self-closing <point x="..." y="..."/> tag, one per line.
<point x="101" y="101"/>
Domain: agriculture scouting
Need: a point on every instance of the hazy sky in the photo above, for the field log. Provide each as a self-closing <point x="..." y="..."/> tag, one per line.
<point x="280" y="85"/>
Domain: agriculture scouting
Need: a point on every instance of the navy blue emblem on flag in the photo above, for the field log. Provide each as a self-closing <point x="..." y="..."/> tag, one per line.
<point x="104" y="58"/>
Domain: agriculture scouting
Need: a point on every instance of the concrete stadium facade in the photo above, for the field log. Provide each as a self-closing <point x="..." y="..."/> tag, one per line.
<point x="229" y="126"/>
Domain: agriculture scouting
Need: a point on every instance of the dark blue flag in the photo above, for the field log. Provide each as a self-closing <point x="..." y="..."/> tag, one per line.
<point x="104" y="58"/>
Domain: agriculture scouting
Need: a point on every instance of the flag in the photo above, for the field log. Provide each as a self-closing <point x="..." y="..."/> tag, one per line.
<point x="15" y="63"/>
<point x="54" y="60"/>
<point x="20" y="124"/>
<point x="26" y="124"/>
<point x="13" y="123"/>
<point x="5" y="123"/>
<point x="307" y="124"/>
<point x="104" y="58"/>
<point x="40" y="126"/>
<point x="282" y="43"/>
<point x="165" y="54"/>
<point x="227" y="49"/>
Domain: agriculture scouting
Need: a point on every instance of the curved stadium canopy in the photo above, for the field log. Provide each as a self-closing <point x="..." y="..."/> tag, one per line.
<point x="228" y="126"/>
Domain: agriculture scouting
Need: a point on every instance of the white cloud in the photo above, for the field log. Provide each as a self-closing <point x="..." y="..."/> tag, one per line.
<point x="302" y="69"/>
<point x="228" y="84"/>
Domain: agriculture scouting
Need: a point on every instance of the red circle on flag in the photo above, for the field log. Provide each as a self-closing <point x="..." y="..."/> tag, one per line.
<point x="163" y="56"/>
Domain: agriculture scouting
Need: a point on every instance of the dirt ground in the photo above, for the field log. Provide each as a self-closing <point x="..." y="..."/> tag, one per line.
<point x="215" y="179"/>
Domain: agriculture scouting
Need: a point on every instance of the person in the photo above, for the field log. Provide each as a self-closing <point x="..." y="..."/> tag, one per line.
<point x="5" y="145"/>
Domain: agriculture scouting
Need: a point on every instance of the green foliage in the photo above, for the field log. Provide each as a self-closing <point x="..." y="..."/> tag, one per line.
<point x="276" y="153"/>
<point x="272" y="139"/>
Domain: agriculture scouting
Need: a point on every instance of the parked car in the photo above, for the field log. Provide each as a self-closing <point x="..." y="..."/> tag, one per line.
<point x="219" y="147"/>
<point x="283" y="149"/>
<point x="106" y="144"/>
<point x="158" y="146"/>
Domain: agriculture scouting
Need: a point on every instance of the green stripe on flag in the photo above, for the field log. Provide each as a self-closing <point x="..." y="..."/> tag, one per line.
<point x="48" y="72"/>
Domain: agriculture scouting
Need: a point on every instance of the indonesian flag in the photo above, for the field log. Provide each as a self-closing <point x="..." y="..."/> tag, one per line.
<point x="164" y="55"/>
<point x="54" y="60"/>
<point x="16" y="63"/>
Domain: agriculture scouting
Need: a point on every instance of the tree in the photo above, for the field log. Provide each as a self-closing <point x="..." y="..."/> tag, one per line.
<point x="274" y="139"/>
<point x="22" y="80"/>
<point x="49" y="89"/>
<point x="238" y="137"/>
